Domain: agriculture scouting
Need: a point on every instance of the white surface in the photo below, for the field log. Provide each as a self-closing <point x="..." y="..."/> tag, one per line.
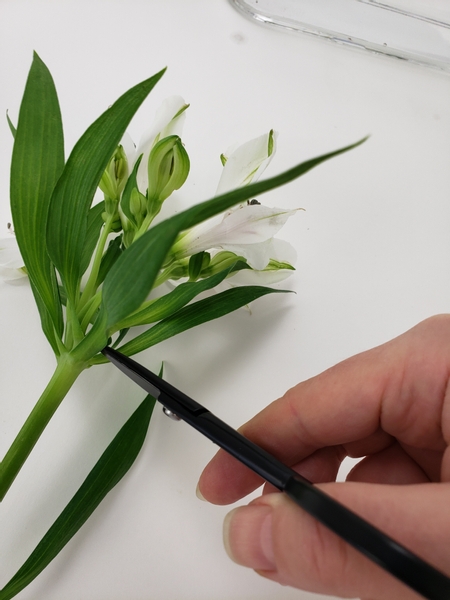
<point x="374" y="259"/>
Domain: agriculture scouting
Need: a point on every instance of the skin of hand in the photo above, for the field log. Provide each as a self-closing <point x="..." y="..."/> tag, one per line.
<point x="390" y="405"/>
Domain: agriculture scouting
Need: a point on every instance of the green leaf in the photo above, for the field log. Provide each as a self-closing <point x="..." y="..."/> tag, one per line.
<point x="218" y="204"/>
<point x="108" y="471"/>
<point x="122" y="334"/>
<point x="48" y="326"/>
<point x="95" y="223"/>
<point x="37" y="162"/>
<point x="170" y="303"/>
<point x="67" y="223"/>
<point x="132" y="277"/>
<point x="195" y="314"/>
<point x="11" y="126"/>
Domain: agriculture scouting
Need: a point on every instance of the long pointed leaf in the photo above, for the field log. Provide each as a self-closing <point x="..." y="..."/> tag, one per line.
<point x="173" y="301"/>
<point x="67" y="223"/>
<point x="37" y="162"/>
<point x="47" y="323"/>
<point x="195" y="314"/>
<point x="133" y="275"/>
<point x="11" y="125"/>
<point x="108" y="471"/>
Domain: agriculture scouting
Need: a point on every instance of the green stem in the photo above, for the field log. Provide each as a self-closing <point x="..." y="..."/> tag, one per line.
<point x="89" y="310"/>
<point x="66" y="373"/>
<point x="90" y="288"/>
<point x="145" y="225"/>
<point x="74" y="332"/>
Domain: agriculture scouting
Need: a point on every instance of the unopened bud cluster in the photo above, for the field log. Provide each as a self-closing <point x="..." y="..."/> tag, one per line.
<point x="127" y="208"/>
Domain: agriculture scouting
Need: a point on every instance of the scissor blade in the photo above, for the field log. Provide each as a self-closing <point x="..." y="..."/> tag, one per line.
<point x="132" y="370"/>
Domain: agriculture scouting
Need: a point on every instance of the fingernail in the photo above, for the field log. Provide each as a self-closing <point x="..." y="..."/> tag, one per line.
<point x="199" y="494"/>
<point x="247" y="536"/>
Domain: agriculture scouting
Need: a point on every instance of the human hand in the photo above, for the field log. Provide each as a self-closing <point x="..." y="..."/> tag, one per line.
<point x="390" y="405"/>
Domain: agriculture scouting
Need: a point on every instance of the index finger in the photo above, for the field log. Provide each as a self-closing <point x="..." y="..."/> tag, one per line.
<point x="397" y="390"/>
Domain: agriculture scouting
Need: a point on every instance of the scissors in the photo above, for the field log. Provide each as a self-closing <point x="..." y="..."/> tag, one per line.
<point x="367" y="539"/>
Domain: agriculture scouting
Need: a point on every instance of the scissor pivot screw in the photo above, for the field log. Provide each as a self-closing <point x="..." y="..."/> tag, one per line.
<point x="171" y="414"/>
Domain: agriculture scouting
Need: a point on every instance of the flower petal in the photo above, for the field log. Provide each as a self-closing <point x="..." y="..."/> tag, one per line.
<point x="257" y="255"/>
<point x="9" y="251"/>
<point x="250" y="225"/>
<point x="11" y="274"/>
<point x="283" y="252"/>
<point x="249" y="277"/>
<point x="11" y="262"/>
<point x="247" y="162"/>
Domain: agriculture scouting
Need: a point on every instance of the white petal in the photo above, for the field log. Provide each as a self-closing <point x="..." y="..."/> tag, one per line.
<point x="11" y="274"/>
<point x="247" y="277"/>
<point x="246" y="163"/>
<point x="250" y="224"/>
<point x="11" y="262"/>
<point x="164" y="123"/>
<point x="257" y="255"/>
<point x="9" y="252"/>
<point x="283" y="252"/>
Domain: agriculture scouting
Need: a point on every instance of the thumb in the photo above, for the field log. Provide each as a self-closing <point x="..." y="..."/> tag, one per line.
<point x="282" y="542"/>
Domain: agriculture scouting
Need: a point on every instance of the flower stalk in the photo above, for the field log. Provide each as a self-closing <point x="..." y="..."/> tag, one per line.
<point x="65" y="375"/>
<point x="90" y="287"/>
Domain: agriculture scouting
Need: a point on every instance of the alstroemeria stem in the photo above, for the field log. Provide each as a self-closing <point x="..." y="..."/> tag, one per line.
<point x="90" y="288"/>
<point x="74" y="332"/>
<point x="63" y="378"/>
<point x="145" y="225"/>
<point x="89" y="310"/>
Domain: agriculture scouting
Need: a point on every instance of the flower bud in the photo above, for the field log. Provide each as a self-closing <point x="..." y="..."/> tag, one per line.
<point x="115" y="223"/>
<point x="128" y="227"/>
<point x="176" y="270"/>
<point x="107" y="185"/>
<point x="224" y="260"/>
<point x="128" y="237"/>
<point x="138" y="205"/>
<point x="115" y="176"/>
<point x="197" y="263"/>
<point x="168" y="168"/>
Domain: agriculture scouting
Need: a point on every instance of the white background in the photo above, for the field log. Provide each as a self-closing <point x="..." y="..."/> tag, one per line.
<point x="373" y="259"/>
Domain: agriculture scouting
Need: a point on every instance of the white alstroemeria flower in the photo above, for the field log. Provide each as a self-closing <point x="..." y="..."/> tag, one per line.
<point x="169" y="120"/>
<point x="247" y="231"/>
<point x="11" y="263"/>
<point x="247" y="162"/>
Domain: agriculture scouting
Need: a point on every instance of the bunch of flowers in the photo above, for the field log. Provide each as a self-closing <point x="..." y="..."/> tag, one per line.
<point x="92" y="265"/>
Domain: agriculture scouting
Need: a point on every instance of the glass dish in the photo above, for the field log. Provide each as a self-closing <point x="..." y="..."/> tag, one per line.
<point x="413" y="30"/>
